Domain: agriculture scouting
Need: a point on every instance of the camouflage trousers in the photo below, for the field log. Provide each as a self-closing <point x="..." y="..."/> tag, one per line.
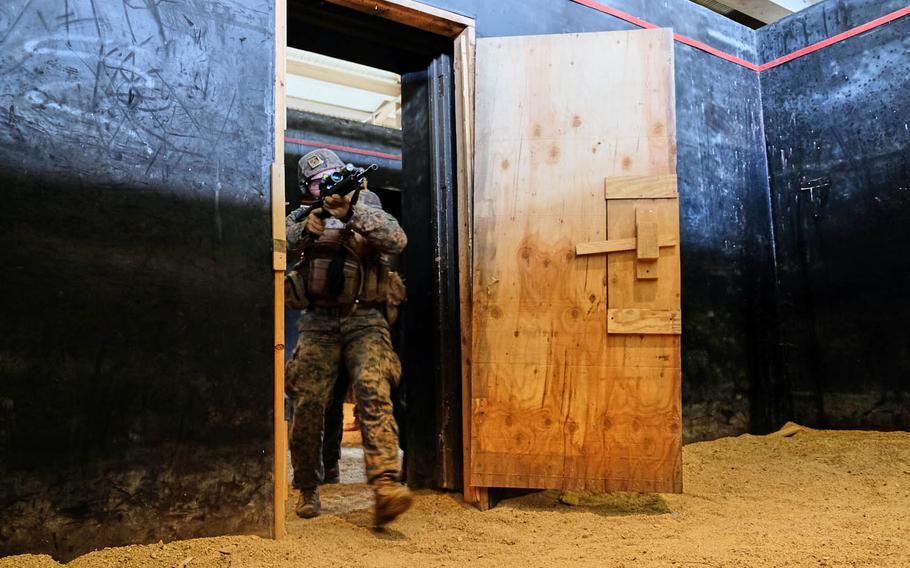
<point x="362" y="342"/>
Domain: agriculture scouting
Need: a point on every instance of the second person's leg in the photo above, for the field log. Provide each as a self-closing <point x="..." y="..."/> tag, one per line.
<point x="311" y="373"/>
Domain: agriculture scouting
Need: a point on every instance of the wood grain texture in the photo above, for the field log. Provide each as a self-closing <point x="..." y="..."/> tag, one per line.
<point x="647" y="253"/>
<point x="557" y="403"/>
<point x="640" y="187"/>
<point x="279" y="232"/>
<point x="655" y="322"/>
<point x="279" y="264"/>
<point x="280" y="425"/>
<point x="646" y="247"/>
<point x="464" y="139"/>
<point x="617" y="245"/>
<point x="414" y="14"/>
<point x="646" y="242"/>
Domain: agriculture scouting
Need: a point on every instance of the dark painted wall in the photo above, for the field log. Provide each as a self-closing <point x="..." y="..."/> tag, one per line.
<point x="135" y="245"/>
<point x="838" y="145"/>
<point x="727" y="268"/>
<point x="135" y="320"/>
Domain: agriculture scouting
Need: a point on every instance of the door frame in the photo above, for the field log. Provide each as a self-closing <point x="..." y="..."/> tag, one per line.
<point x="461" y="30"/>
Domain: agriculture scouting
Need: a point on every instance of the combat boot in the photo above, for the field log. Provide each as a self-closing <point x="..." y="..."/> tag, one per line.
<point x="308" y="504"/>
<point x="332" y="474"/>
<point x="392" y="499"/>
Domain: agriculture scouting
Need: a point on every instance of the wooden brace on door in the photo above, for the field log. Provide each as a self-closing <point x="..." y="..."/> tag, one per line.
<point x="647" y="253"/>
<point x="647" y="243"/>
<point x="637" y="187"/>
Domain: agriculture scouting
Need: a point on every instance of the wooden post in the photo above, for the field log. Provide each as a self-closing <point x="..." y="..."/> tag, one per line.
<point x="464" y="119"/>
<point x="279" y="263"/>
<point x="413" y="13"/>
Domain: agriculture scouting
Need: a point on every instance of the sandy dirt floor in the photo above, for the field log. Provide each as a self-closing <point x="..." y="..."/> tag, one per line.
<point x="810" y="498"/>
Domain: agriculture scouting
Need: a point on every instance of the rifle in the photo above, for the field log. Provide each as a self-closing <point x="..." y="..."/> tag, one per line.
<point x="339" y="183"/>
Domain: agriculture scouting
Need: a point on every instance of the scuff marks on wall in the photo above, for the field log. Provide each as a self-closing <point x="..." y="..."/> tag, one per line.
<point x="135" y="307"/>
<point x="110" y="81"/>
<point x="839" y="167"/>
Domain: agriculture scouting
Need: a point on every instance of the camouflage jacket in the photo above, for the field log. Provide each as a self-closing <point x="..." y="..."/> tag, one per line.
<point x="379" y="228"/>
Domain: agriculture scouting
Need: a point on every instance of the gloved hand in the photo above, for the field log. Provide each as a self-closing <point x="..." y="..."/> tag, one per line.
<point x="315" y="225"/>
<point x="338" y="206"/>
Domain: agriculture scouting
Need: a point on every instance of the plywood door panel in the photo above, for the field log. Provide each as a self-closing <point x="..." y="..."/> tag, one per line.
<point x="557" y="402"/>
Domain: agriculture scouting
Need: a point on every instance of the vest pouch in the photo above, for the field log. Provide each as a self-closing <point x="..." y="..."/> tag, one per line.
<point x="334" y="275"/>
<point x="382" y="289"/>
<point x="295" y="291"/>
<point x="352" y="282"/>
<point x="317" y="282"/>
<point x="371" y="284"/>
<point x="396" y="294"/>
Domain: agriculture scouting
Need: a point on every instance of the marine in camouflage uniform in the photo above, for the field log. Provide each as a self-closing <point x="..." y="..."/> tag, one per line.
<point x="359" y="338"/>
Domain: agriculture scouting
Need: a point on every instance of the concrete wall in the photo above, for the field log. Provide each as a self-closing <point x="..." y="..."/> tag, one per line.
<point x="838" y="145"/>
<point x="135" y="301"/>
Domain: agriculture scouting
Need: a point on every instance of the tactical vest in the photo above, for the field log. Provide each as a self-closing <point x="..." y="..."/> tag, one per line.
<point x="342" y="270"/>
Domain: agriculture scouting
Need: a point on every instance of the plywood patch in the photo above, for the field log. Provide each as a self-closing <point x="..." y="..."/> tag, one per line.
<point x="640" y="187"/>
<point x="644" y="321"/>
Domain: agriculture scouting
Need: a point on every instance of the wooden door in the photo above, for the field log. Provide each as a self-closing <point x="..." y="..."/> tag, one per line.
<point x="575" y="378"/>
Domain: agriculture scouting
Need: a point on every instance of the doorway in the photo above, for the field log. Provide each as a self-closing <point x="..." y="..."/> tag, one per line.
<point x="427" y="197"/>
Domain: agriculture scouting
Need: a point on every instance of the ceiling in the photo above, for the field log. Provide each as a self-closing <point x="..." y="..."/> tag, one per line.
<point x="334" y="87"/>
<point x="756" y="13"/>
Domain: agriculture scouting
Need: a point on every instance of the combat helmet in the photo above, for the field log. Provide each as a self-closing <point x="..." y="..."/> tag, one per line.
<point x="314" y="162"/>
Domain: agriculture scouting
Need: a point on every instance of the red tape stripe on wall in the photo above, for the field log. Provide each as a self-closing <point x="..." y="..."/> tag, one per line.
<point x="678" y="37"/>
<point x="716" y="52"/>
<point x="742" y="62"/>
<point x="887" y="18"/>
<point x="338" y="148"/>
